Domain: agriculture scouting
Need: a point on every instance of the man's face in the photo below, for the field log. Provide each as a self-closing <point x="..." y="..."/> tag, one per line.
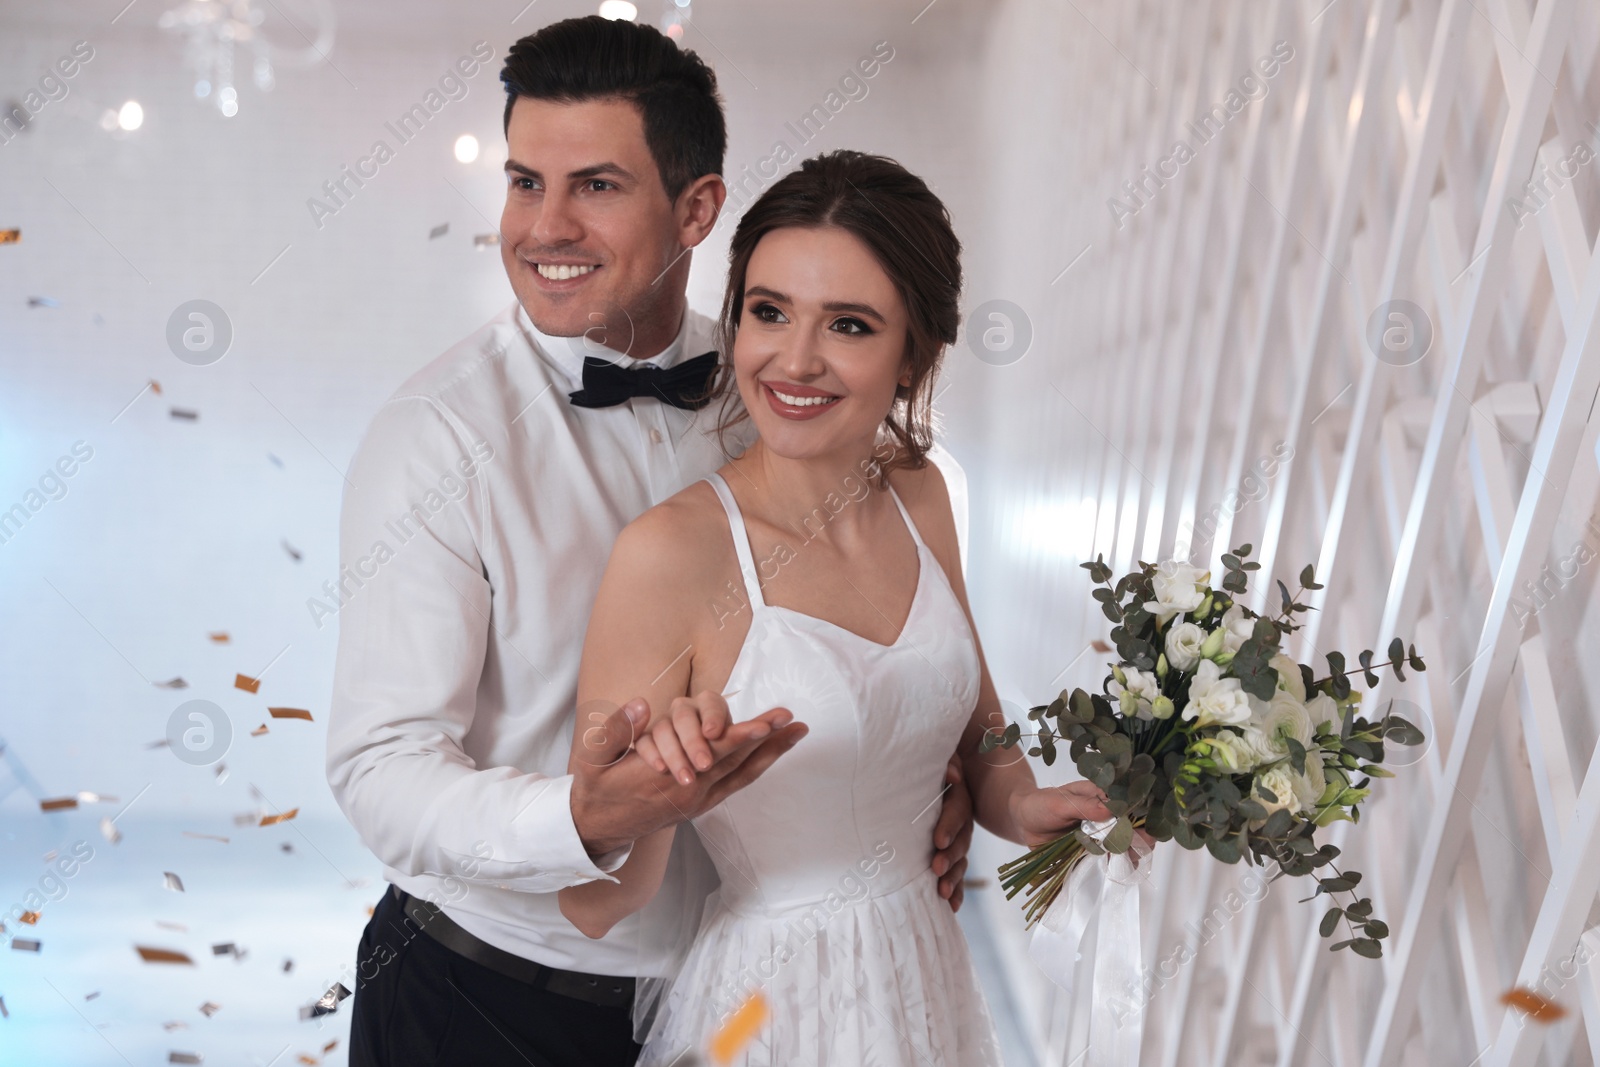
<point x="591" y="242"/>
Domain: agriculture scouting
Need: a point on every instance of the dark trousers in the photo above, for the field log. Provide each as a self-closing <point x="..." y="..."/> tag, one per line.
<point x="417" y="1002"/>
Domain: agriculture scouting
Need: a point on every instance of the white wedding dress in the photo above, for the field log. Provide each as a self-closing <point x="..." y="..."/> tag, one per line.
<point x="828" y="904"/>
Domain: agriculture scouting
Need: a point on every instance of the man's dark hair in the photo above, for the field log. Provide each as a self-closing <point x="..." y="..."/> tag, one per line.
<point x="594" y="58"/>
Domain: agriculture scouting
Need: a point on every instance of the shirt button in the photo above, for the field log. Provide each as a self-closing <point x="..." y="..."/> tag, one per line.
<point x="655" y="436"/>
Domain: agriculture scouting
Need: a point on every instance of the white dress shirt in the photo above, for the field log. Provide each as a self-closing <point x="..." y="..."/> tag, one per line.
<point x="480" y="514"/>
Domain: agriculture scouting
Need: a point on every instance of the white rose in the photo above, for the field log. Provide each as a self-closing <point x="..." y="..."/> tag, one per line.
<point x="1322" y="710"/>
<point x="1289" y="675"/>
<point x="1237" y="628"/>
<point x="1235" y="752"/>
<point x="1214" y="699"/>
<point x="1178" y="587"/>
<point x="1281" y="718"/>
<point x="1308" y="787"/>
<point x="1142" y="687"/>
<point x="1258" y="743"/>
<point x="1280" y="782"/>
<point x="1183" y="645"/>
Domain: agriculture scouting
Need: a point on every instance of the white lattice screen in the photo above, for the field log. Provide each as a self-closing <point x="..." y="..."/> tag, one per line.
<point x="1213" y="352"/>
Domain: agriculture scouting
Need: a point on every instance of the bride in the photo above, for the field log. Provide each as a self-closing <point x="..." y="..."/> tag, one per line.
<point x="819" y="571"/>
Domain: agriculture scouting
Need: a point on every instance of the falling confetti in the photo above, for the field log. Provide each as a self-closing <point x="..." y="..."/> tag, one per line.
<point x="163" y="743"/>
<point x="173" y="683"/>
<point x="29" y="917"/>
<point x="172" y="881"/>
<point x="303" y="1058"/>
<point x="286" y="847"/>
<point x="1099" y="646"/>
<point x="273" y="820"/>
<point x="485" y="240"/>
<point x="219" y="637"/>
<point x="10" y="237"/>
<point x="174" y="1025"/>
<point x="209" y="1009"/>
<point x="183" y="1057"/>
<point x="91" y="996"/>
<point x="738" y="1031"/>
<point x="247" y="683"/>
<point x="259" y="730"/>
<point x="329" y="1001"/>
<point x="24" y="945"/>
<point x="161" y="955"/>
<point x="1539" y="1009"/>
<point x="276" y="462"/>
<point x="3" y="1013"/>
<point x="155" y="387"/>
<point x="439" y="230"/>
<point x="290" y="713"/>
<point x="222" y="773"/>
<point x="165" y="925"/>
<point x="288" y="965"/>
<point x="109" y="831"/>
<point x="58" y="804"/>
<point x="294" y="553"/>
<point x="95" y="798"/>
<point x="204" y="837"/>
<point x="183" y="413"/>
<point x="225" y="948"/>
<point x="43" y="302"/>
<point x="330" y="1046"/>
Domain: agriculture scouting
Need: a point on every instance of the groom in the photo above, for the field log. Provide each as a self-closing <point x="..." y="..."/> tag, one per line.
<point x="548" y="429"/>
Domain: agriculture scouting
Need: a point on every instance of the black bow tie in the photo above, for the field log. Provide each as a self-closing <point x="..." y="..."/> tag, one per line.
<point x="682" y="386"/>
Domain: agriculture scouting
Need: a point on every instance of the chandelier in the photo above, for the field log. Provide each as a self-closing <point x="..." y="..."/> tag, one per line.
<point x="217" y="31"/>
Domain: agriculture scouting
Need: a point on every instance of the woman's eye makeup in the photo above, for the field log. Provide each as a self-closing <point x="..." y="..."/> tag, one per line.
<point x="767" y="312"/>
<point x="851" y="326"/>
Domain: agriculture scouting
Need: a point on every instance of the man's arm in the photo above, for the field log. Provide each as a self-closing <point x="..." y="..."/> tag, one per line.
<point x="413" y="632"/>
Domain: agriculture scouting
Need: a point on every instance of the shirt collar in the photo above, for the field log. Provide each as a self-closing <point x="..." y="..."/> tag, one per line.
<point x="567" y="353"/>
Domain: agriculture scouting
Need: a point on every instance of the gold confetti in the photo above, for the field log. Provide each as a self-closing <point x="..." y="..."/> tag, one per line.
<point x="330" y="1046"/>
<point x="1099" y="646"/>
<point x="259" y="730"/>
<point x="247" y="683"/>
<point x="58" y="804"/>
<point x="10" y="237"/>
<point x="219" y="637"/>
<point x="29" y="917"/>
<point x="303" y="1058"/>
<point x="738" y="1031"/>
<point x="975" y="883"/>
<point x="273" y="820"/>
<point x="155" y="387"/>
<point x="290" y="713"/>
<point x="204" y="837"/>
<point x="161" y="955"/>
<point x="1539" y="1009"/>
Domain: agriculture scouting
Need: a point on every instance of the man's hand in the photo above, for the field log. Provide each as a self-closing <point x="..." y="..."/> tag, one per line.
<point x="952" y="835"/>
<point x="678" y="740"/>
<point x="619" y="797"/>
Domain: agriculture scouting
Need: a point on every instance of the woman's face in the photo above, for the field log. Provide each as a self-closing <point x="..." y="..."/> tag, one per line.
<point x="821" y="342"/>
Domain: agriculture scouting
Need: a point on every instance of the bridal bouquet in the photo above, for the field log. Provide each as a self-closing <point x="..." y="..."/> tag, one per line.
<point x="1208" y="735"/>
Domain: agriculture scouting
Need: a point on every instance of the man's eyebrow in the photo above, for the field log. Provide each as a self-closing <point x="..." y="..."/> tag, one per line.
<point x="595" y="171"/>
<point x="833" y="305"/>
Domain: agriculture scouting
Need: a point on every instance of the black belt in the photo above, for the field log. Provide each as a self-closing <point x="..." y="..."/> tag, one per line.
<point x="598" y="989"/>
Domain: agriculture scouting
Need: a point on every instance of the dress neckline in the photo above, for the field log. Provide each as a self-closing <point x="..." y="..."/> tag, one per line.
<point x="741" y="544"/>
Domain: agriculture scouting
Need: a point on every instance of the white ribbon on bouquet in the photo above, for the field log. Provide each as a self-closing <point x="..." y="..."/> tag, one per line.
<point x="1104" y="889"/>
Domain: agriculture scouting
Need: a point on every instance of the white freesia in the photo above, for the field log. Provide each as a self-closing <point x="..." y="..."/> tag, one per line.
<point x="1142" y="689"/>
<point x="1215" y="699"/>
<point x="1183" y="645"/>
<point x="1236" y="628"/>
<point x="1178" y="587"/>
<point x="1289" y="675"/>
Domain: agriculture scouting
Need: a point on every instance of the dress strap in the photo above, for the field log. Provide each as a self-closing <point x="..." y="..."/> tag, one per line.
<point x="741" y="537"/>
<point x="906" y="515"/>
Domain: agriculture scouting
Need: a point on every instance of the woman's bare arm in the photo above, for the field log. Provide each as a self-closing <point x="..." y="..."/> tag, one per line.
<point x="637" y="645"/>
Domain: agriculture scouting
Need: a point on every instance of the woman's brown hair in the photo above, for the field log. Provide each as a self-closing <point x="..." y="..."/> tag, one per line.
<point x="907" y="228"/>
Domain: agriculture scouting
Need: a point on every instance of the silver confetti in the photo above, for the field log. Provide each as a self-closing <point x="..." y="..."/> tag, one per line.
<point x="173" y="882"/>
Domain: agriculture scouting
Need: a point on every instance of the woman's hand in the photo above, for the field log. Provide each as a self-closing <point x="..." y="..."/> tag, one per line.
<point x="677" y="741"/>
<point x="1044" y="814"/>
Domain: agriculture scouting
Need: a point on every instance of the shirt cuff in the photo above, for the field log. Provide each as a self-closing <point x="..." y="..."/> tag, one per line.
<point x="567" y="847"/>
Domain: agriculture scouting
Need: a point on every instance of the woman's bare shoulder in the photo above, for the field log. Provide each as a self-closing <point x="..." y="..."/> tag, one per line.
<point x="683" y="537"/>
<point x="927" y="498"/>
